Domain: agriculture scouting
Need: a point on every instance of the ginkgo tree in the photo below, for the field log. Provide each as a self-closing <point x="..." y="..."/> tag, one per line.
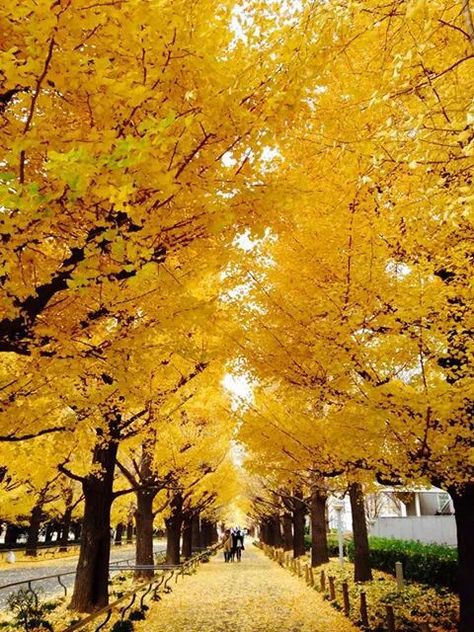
<point x="286" y="185"/>
<point x="361" y="297"/>
<point x="35" y="493"/>
<point x="115" y="119"/>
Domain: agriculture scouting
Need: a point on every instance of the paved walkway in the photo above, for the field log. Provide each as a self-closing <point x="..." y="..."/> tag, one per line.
<point x="254" y="596"/>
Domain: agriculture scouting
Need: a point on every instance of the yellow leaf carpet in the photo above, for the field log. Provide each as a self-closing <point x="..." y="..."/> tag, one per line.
<point x="253" y="596"/>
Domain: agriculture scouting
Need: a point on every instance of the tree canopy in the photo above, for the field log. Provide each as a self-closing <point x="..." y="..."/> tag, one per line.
<point x="271" y="190"/>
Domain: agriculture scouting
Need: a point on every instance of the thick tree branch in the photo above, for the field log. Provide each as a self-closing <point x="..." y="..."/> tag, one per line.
<point x="16" y="334"/>
<point x="128" y="475"/>
<point x="13" y="437"/>
<point x="75" y="477"/>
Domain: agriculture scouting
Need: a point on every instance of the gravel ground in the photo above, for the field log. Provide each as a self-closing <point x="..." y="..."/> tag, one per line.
<point x="51" y="587"/>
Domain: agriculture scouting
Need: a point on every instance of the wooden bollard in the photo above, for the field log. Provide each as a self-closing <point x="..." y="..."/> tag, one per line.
<point x="345" y="598"/>
<point x="390" y="619"/>
<point x="311" y="577"/>
<point x="332" y="589"/>
<point x="323" y="581"/>
<point x="364" y="615"/>
<point x="306" y="573"/>
<point x="298" y="567"/>
<point x="399" y="575"/>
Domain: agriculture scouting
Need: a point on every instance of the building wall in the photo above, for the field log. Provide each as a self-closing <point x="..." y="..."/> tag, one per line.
<point x="438" y="529"/>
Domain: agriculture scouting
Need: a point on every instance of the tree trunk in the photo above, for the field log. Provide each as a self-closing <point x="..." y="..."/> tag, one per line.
<point x="119" y="534"/>
<point x="299" y="512"/>
<point x="33" y="531"/>
<point x="129" y="532"/>
<point x="77" y="528"/>
<point x="187" y="537"/>
<point x="287" y="532"/>
<point x="276" y="527"/>
<point x="269" y="531"/>
<point x="196" y="532"/>
<point x="50" y="528"/>
<point x="11" y="534"/>
<point x="92" y="573"/>
<point x="173" y="529"/>
<point x="206" y="533"/>
<point x="463" y="500"/>
<point x="144" y="513"/>
<point x="319" y="539"/>
<point x="64" y="539"/>
<point x="362" y="570"/>
<point x="144" y="523"/>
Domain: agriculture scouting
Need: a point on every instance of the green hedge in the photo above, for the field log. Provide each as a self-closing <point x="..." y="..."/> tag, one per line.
<point x="432" y="564"/>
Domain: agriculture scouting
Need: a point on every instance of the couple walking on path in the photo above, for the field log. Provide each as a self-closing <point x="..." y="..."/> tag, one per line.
<point x="233" y="544"/>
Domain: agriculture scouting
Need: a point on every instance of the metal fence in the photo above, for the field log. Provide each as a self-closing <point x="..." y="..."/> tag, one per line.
<point x="160" y="583"/>
<point x="117" y="565"/>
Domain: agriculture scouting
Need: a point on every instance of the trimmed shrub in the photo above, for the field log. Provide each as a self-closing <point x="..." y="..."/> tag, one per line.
<point x="138" y="614"/>
<point x="431" y="564"/>
<point x="27" y="610"/>
<point x="122" y="626"/>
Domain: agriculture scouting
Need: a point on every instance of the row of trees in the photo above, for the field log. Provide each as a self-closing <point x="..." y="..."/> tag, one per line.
<point x="281" y="515"/>
<point x="170" y="474"/>
<point x="58" y="525"/>
<point x="358" y="311"/>
<point x="116" y="227"/>
<point x="280" y="190"/>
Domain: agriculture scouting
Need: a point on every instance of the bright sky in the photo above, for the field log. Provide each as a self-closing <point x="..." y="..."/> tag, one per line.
<point x="239" y="387"/>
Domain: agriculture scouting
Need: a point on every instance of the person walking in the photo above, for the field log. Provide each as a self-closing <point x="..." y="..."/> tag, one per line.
<point x="227" y="545"/>
<point x="238" y="543"/>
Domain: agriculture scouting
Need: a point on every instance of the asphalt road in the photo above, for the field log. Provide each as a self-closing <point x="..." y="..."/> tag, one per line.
<point x="50" y="587"/>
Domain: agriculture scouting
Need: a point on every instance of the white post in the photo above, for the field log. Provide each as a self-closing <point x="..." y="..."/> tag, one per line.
<point x="338" y="506"/>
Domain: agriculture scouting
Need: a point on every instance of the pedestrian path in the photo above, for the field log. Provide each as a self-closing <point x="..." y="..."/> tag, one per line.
<point x="254" y="596"/>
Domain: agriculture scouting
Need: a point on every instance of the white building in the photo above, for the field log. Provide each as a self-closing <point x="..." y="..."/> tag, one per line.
<point x="426" y="515"/>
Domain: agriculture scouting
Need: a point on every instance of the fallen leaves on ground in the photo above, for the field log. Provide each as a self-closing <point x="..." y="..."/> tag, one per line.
<point x="413" y="605"/>
<point x="252" y="596"/>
